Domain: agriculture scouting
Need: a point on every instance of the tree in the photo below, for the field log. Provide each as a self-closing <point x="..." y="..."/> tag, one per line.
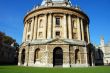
<point x="6" y="39"/>
<point x="1" y="37"/>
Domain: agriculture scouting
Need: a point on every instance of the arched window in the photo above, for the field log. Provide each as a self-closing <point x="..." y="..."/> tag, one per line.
<point x="23" y="56"/>
<point x="36" y="55"/>
<point x="77" y="56"/>
<point x="57" y="33"/>
<point x="40" y="34"/>
<point x="41" y="23"/>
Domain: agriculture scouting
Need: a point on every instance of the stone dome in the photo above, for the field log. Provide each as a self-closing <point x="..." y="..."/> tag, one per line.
<point x="56" y="2"/>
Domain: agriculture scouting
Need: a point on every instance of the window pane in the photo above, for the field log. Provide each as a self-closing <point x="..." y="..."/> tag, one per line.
<point x="40" y="34"/>
<point x="41" y="23"/>
<point x="58" y="33"/>
<point x="57" y="21"/>
<point x="29" y="26"/>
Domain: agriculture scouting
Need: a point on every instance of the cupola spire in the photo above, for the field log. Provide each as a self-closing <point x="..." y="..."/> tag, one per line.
<point x="56" y="3"/>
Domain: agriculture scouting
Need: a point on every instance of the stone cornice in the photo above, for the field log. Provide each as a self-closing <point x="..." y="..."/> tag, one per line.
<point x="51" y="42"/>
<point x="71" y="11"/>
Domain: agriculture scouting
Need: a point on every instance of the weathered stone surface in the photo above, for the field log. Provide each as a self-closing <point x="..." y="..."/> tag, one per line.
<point x="51" y="29"/>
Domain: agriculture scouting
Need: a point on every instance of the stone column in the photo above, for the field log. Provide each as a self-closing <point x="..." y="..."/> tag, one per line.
<point x="27" y="31"/>
<point x="35" y="28"/>
<point x="78" y="29"/>
<point x="88" y="35"/>
<point x="82" y="29"/>
<point x="49" y="35"/>
<point x="70" y="27"/>
<point x="24" y="33"/>
<point x="19" y="59"/>
<point x="65" y="27"/>
<point x="45" y="25"/>
<point x="32" y="28"/>
<point x="53" y="27"/>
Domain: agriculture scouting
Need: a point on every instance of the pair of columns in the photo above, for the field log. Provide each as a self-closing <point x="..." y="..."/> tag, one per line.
<point x="26" y="30"/>
<point x="80" y="28"/>
<point x="34" y="29"/>
<point x="81" y="31"/>
<point x="67" y="31"/>
<point x="36" y="26"/>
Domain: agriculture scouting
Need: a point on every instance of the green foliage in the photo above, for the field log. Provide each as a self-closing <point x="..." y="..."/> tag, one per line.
<point x="2" y="34"/>
<point x="6" y="39"/>
<point x="1" y="38"/>
<point x="16" y="69"/>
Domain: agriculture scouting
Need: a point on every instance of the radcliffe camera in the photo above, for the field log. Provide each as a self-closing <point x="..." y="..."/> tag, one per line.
<point x="56" y="34"/>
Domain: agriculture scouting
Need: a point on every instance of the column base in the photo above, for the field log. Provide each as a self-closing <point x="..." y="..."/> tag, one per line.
<point x="19" y="64"/>
<point x="79" y="65"/>
<point x="66" y="65"/>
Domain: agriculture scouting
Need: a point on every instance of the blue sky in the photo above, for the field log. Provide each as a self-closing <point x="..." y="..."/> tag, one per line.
<point x="12" y="13"/>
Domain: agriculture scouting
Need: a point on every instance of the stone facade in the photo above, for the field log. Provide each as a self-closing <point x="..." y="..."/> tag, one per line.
<point x="55" y="34"/>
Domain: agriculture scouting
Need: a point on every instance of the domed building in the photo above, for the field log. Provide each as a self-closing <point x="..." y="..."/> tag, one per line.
<point x="55" y="34"/>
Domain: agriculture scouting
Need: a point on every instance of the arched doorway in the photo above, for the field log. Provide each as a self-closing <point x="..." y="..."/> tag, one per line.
<point x="23" y="56"/>
<point x="57" y="56"/>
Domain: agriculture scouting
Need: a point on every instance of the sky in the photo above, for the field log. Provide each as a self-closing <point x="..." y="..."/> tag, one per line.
<point x="12" y="13"/>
